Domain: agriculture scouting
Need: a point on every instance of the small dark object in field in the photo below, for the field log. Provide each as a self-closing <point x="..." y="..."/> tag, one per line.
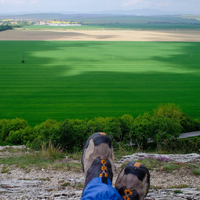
<point x="23" y="61"/>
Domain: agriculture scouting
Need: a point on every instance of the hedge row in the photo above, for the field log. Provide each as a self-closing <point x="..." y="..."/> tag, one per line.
<point x="165" y="123"/>
<point x="5" y="27"/>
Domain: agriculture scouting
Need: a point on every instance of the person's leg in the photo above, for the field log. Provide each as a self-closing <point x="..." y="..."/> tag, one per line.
<point x="133" y="181"/>
<point x="98" y="166"/>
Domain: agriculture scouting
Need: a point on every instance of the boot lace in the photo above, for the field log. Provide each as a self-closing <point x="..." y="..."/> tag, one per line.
<point x="103" y="169"/>
<point x="127" y="194"/>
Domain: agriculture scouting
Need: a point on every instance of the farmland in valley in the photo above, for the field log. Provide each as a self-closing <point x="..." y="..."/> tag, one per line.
<point x="76" y="79"/>
<point x="124" y="22"/>
<point x="141" y="26"/>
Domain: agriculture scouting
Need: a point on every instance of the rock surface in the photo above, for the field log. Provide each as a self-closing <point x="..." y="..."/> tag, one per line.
<point x="13" y="147"/>
<point x="51" y="184"/>
<point x="182" y="158"/>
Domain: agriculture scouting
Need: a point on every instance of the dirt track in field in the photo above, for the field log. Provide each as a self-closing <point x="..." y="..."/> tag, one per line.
<point x="102" y="35"/>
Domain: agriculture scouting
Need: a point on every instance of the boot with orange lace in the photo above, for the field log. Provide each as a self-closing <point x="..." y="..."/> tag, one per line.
<point x="133" y="182"/>
<point x="98" y="167"/>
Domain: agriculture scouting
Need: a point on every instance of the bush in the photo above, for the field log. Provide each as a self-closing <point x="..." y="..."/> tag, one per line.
<point x="164" y="126"/>
<point x="14" y="137"/>
<point x="46" y="131"/>
<point x="164" y="129"/>
<point x="188" y="145"/>
<point x="189" y="124"/>
<point x="27" y="135"/>
<point x="73" y="134"/>
<point x="6" y="126"/>
<point x="142" y="130"/>
<point x="109" y="125"/>
<point x="170" y="110"/>
<point x="126" y="126"/>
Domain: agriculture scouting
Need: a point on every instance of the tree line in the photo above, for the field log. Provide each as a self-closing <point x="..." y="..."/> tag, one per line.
<point x="5" y="27"/>
<point x="165" y="123"/>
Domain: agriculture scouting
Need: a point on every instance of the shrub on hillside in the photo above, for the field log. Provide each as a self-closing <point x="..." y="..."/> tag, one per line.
<point x="72" y="135"/>
<point x="109" y="125"/>
<point x="164" y="125"/>
<point x="187" y="145"/>
<point x="14" y="137"/>
<point x="165" y="128"/>
<point x="21" y="136"/>
<point x="170" y="110"/>
<point x="28" y="135"/>
<point x="142" y="130"/>
<point x="11" y="125"/>
<point x="189" y="124"/>
<point x="44" y="132"/>
<point x="126" y="126"/>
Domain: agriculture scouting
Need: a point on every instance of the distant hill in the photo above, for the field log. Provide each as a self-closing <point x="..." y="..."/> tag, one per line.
<point x="143" y="12"/>
<point x="107" y="18"/>
<point x="61" y="14"/>
<point x="43" y="16"/>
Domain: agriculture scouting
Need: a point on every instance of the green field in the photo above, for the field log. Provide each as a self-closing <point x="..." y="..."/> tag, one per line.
<point x="129" y="22"/>
<point x="62" y="80"/>
<point x="96" y="26"/>
<point x="192" y="17"/>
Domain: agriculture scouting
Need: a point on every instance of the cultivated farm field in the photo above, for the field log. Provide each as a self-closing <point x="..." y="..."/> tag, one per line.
<point x="119" y="26"/>
<point x="86" y="79"/>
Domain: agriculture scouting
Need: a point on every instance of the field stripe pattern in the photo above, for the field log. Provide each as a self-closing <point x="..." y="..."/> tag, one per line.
<point x="61" y="79"/>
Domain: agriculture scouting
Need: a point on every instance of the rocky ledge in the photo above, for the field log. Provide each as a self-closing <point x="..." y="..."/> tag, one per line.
<point x="58" y="184"/>
<point x="181" y="158"/>
<point x="37" y="189"/>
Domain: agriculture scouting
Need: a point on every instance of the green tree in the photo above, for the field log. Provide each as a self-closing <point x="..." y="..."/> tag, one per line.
<point x="12" y="125"/>
<point x="142" y="130"/>
<point x="126" y="126"/>
<point x="72" y="136"/>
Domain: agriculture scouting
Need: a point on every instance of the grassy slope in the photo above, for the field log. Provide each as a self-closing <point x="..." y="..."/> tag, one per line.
<point x="86" y="79"/>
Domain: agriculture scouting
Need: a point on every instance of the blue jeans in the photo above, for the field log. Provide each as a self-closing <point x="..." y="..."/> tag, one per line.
<point x="96" y="190"/>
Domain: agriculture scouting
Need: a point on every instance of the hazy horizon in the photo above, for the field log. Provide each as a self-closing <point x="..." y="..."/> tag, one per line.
<point x="103" y="6"/>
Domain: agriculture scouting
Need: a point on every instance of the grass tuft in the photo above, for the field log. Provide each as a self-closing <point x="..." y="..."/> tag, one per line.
<point x="169" y="167"/>
<point x="43" y="159"/>
<point x="4" y="170"/>
<point x="178" y="191"/>
<point x="51" y="152"/>
<point x="180" y="186"/>
<point x="65" y="184"/>
<point x="196" y="171"/>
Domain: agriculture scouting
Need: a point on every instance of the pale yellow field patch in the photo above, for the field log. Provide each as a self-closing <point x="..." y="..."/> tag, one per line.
<point x="102" y="35"/>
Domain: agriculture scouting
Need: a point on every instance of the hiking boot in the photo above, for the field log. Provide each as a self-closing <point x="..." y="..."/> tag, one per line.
<point x="98" y="158"/>
<point x="133" y="181"/>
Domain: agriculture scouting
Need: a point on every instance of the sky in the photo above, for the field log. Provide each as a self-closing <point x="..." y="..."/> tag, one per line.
<point x="92" y="6"/>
